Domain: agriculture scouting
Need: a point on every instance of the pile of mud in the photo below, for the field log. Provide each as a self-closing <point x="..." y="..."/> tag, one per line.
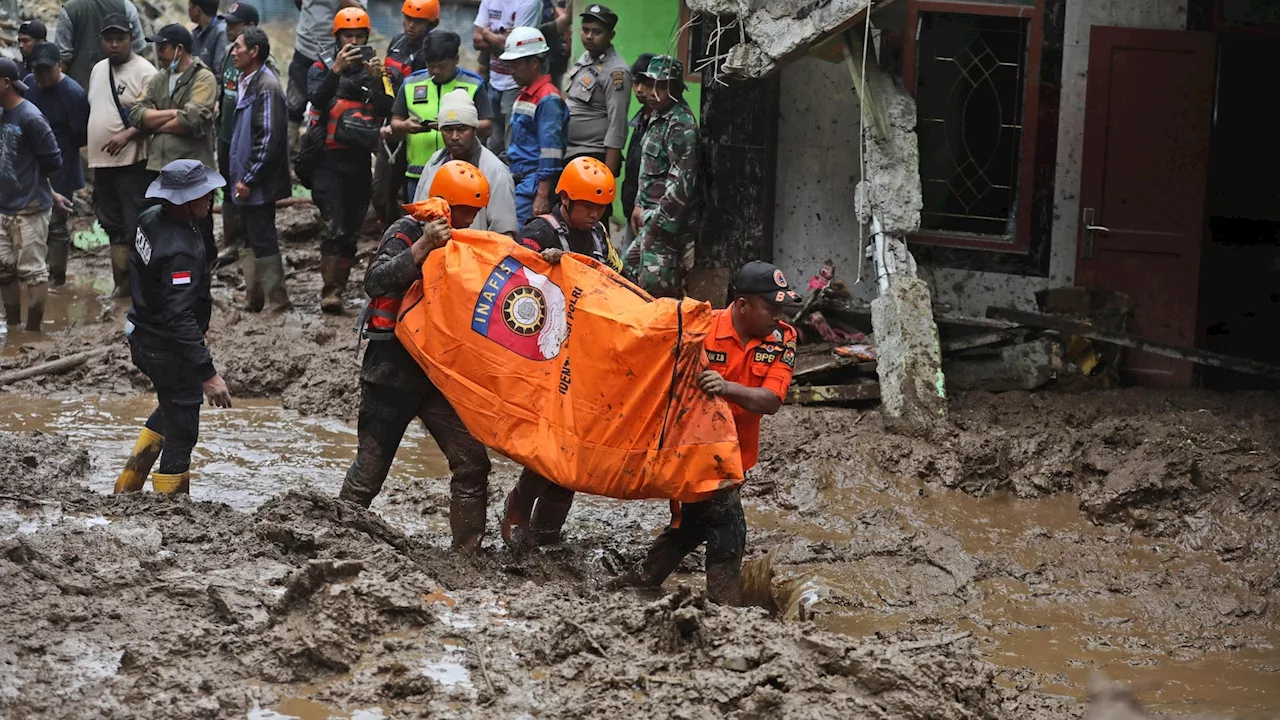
<point x="1198" y="467"/>
<point x="145" y="606"/>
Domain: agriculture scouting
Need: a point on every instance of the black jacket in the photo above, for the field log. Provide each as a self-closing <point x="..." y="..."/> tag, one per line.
<point x="169" y="279"/>
<point x="392" y="272"/>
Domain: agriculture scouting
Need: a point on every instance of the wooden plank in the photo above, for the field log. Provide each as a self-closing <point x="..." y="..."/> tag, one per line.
<point x="834" y="393"/>
<point x="1067" y="326"/>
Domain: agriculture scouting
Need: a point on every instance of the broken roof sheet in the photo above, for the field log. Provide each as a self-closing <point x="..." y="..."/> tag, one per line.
<point x="780" y="30"/>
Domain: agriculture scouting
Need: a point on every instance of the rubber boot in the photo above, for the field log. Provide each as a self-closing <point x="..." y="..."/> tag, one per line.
<point x="145" y="451"/>
<point x="724" y="583"/>
<point x="11" y="294"/>
<point x="58" y="251"/>
<point x="254" y="298"/>
<point x="550" y="513"/>
<point x="466" y="522"/>
<point x="271" y="277"/>
<point x="37" y="294"/>
<point x="335" y="271"/>
<point x="171" y="484"/>
<point x="120" y="270"/>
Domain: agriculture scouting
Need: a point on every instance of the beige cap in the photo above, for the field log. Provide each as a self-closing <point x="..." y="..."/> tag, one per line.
<point x="457" y="108"/>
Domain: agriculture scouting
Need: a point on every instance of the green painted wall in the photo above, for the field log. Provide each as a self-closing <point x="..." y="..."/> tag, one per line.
<point x="644" y="26"/>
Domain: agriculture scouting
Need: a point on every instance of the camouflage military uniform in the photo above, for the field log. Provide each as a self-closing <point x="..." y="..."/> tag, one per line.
<point x="668" y="194"/>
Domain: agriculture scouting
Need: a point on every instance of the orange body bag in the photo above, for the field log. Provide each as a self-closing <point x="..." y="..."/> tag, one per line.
<point x="571" y="371"/>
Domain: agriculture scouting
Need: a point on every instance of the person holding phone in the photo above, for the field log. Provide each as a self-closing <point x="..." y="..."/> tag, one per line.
<point x="351" y="100"/>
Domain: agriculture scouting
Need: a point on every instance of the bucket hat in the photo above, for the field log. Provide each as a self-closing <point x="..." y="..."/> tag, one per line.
<point x="182" y="181"/>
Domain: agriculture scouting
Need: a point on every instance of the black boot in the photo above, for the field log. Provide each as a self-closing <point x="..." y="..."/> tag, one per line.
<point x="36" y="296"/>
<point x="11" y="294"/>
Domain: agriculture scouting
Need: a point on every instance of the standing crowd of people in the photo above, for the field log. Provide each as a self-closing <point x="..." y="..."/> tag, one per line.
<point x="527" y="144"/>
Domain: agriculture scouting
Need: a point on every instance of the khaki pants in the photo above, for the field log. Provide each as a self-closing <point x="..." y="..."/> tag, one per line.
<point x="24" y="247"/>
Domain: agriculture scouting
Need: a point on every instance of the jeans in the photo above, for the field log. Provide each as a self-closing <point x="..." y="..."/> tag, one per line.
<point x="501" y="101"/>
<point x="258" y="226"/>
<point x="179" y="393"/>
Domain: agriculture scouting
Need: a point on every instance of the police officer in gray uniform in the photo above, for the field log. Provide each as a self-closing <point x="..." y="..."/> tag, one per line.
<point x="599" y="93"/>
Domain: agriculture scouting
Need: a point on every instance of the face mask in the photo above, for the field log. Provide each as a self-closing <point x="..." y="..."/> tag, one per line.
<point x="173" y="66"/>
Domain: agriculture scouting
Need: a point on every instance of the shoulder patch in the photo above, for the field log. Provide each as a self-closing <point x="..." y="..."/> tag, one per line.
<point x="717" y="357"/>
<point x="143" y="246"/>
<point x="789" y="357"/>
<point x="618" y="80"/>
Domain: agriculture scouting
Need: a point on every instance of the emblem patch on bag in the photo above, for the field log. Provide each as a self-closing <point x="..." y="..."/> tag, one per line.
<point x="521" y="311"/>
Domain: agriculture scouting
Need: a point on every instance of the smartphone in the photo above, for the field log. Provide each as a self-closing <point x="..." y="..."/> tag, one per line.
<point x="366" y="52"/>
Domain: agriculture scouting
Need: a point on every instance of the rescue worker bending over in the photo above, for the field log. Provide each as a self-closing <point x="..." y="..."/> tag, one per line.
<point x="586" y="191"/>
<point x="751" y="354"/>
<point x="169" y="279"/>
<point x="352" y="100"/>
<point x="393" y="387"/>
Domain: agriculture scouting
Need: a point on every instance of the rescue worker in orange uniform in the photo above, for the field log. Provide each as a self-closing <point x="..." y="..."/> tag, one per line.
<point x="751" y="354"/>
<point x="394" y="389"/>
<point x="352" y="99"/>
<point x="586" y="190"/>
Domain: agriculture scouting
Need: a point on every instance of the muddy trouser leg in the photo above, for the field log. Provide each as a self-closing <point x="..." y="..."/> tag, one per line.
<point x="59" y="247"/>
<point x="726" y="532"/>
<point x="469" y="463"/>
<point x="180" y="395"/>
<point x="519" y="506"/>
<point x="344" y="198"/>
<point x="550" y="513"/>
<point x="385" y="413"/>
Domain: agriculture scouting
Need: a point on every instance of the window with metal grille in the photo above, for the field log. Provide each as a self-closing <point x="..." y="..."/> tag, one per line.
<point x="973" y="68"/>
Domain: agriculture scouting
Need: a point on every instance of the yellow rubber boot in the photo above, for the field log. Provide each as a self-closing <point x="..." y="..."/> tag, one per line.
<point x="136" y="469"/>
<point x="175" y="484"/>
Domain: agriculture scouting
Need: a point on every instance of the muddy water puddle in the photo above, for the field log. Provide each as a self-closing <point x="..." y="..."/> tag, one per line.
<point x="80" y="302"/>
<point x="1040" y="588"/>
<point x="246" y="455"/>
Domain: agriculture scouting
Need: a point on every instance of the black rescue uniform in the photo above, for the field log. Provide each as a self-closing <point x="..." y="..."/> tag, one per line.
<point x="394" y="390"/>
<point x="169" y="280"/>
<point x="546" y="502"/>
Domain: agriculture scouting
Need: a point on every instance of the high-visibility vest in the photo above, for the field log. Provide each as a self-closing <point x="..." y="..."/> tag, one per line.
<point x="422" y="95"/>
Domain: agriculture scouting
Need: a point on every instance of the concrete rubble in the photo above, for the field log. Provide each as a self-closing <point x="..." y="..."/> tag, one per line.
<point x="778" y="30"/>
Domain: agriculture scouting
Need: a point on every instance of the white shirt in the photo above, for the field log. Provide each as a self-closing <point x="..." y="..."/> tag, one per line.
<point x="244" y="84"/>
<point x="500" y="215"/>
<point x="104" y="118"/>
<point x="502" y="16"/>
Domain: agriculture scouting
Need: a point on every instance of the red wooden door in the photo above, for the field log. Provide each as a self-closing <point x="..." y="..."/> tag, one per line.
<point x="1149" y="107"/>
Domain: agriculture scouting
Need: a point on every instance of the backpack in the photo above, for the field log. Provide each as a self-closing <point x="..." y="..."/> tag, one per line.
<point x="310" y="153"/>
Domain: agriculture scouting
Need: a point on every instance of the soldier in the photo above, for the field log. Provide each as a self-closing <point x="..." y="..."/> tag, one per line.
<point x="599" y="93"/>
<point x="393" y="387"/>
<point x="667" y="213"/>
<point x="751" y="354"/>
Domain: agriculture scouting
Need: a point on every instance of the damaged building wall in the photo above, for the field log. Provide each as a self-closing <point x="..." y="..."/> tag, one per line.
<point x="972" y="292"/>
<point x="815" y="218"/>
<point x="779" y="30"/>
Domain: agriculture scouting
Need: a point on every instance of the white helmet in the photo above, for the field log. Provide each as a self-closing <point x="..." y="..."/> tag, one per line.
<point x="524" y="42"/>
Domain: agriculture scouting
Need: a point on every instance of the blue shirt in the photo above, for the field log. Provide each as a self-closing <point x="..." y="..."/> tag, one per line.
<point x="28" y="156"/>
<point x="66" y="108"/>
<point x="537" y="140"/>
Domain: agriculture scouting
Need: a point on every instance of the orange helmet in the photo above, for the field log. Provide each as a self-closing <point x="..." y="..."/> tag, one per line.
<point x="460" y="183"/>
<point x="352" y="18"/>
<point x="586" y="178"/>
<point x="422" y="9"/>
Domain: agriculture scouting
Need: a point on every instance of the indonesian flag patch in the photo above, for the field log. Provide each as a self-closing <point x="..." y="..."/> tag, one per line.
<point x="182" y="277"/>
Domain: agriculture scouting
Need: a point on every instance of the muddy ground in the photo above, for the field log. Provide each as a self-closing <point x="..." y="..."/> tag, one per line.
<point x="986" y="572"/>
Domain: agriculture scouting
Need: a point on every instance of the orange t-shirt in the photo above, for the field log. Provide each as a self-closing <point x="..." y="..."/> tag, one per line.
<point x="764" y="363"/>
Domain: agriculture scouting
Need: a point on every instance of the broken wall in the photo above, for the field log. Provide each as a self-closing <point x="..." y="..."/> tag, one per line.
<point x="818" y="172"/>
<point x="972" y="291"/>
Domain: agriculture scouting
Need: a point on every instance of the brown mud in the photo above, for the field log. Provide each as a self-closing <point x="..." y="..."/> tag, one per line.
<point x="988" y="571"/>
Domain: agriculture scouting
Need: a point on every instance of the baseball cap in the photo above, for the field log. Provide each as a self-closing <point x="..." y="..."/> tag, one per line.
<point x="34" y="29"/>
<point x="174" y="34"/>
<point x="45" y="54"/>
<point x="765" y="280"/>
<point x="601" y="13"/>
<point x="241" y="12"/>
<point x="115" y="21"/>
<point x="9" y="71"/>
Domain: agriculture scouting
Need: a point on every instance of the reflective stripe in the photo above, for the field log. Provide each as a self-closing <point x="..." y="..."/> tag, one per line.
<point x="524" y="107"/>
<point x="383" y="314"/>
<point x="553" y="153"/>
